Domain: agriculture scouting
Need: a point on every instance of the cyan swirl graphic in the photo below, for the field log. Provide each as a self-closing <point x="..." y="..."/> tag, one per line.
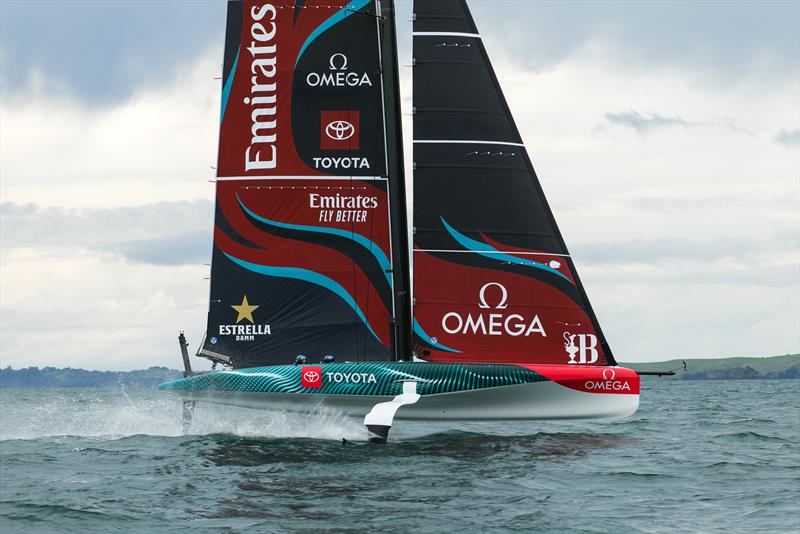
<point x="489" y="251"/>
<point x="307" y="276"/>
<point x="367" y="244"/>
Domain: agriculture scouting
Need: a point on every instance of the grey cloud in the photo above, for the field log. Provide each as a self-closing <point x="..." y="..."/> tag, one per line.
<point x="735" y="263"/>
<point x="752" y="274"/>
<point x="790" y="138"/>
<point x="645" y="123"/>
<point x="164" y="233"/>
<point x="185" y="249"/>
<point x="700" y="204"/>
<point x="724" y="42"/>
<point x="102" y="52"/>
<point x="658" y="251"/>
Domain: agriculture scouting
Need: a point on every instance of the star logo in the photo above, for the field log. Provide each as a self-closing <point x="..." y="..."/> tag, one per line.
<point x="245" y="310"/>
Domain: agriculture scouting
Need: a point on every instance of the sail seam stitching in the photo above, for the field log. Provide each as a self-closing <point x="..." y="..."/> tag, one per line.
<point x="492" y="252"/>
<point x="447" y="34"/>
<point x="241" y="178"/>
<point x="467" y="141"/>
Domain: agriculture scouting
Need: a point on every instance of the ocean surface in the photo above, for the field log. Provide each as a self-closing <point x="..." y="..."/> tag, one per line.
<point x="700" y="456"/>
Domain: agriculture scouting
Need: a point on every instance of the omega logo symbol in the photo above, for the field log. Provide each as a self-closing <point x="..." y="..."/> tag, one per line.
<point x="609" y="374"/>
<point x="333" y="61"/>
<point x="502" y="305"/>
<point x="340" y="130"/>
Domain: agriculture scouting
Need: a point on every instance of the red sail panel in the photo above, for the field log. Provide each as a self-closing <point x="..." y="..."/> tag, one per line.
<point x="483" y="314"/>
<point x="301" y="96"/>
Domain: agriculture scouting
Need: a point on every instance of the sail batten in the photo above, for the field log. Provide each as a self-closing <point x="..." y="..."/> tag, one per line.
<point x="465" y="141"/>
<point x="493" y="278"/>
<point x="446" y="34"/>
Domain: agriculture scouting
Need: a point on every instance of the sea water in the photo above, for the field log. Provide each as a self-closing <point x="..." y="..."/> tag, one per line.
<point x="700" y="456"/>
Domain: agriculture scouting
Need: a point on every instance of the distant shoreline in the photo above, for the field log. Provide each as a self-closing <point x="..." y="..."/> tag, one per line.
<point x="771" y="367"/>
<point x="775" y="367"/>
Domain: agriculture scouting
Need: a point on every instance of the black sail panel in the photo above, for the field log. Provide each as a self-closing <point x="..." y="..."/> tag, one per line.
<point x="493" y="279"/>
<point x="303" y="259"/>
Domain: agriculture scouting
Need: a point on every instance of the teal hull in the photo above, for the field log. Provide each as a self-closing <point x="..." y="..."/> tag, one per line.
<point x="445" y="391"/>
<point x="373" y="379"/>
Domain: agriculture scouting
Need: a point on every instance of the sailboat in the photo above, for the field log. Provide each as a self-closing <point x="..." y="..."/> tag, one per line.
<point x="310" y="300"/>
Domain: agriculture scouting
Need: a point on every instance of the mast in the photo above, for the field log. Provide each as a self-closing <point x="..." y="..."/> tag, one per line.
<point x="494" y="280"/>
<point x="397" y="186"/>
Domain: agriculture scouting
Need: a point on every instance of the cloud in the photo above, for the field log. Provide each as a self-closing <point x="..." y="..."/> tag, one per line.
<point x="29" y="225"/>
<point x="768" y="201"/>
<point x="163" y="233"/>
<point x="790" y="138"/>
<point x="649" y="322"/>
<point x="720" y="43"/>
<point x="646" y="123"/>
<point x="159" y="144"/>
<point x="75" y="308"/>
<point x="101" y="53"/>
<point x="185" y="249"/>
<point x="659" y="251"/>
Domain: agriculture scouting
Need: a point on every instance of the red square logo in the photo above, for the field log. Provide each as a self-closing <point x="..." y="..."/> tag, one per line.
<point x="339" y="130"/>
<point x="311" y="376"/>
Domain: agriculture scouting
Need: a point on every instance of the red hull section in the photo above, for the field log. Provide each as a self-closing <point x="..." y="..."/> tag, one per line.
<point x="591" y="379"/>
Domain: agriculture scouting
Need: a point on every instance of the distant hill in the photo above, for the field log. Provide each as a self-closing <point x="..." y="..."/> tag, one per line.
<point x="701" y="369"/>
<point x="50" y="377"/>
<point x="787" y="366"/>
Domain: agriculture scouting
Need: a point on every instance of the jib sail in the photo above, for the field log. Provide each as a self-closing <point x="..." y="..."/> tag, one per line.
<point x="493" y="279"/>
<point x="303" y="260"/>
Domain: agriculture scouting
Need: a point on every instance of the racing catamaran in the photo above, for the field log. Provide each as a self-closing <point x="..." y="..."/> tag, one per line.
<point x="310" y="297"/>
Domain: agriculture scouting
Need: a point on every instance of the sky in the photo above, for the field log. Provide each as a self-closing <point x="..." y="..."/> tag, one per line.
<point x="666" y="136"/>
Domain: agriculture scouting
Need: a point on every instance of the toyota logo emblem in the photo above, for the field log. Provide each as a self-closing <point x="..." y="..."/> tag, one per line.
<point x="311" y="376"/>
<point x="340" y="130"/>
<point x="609" y="374"/>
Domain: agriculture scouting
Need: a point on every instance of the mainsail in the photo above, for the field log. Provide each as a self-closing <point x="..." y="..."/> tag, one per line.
<point x="304" y="252"/>
<point x="493" y="279"/>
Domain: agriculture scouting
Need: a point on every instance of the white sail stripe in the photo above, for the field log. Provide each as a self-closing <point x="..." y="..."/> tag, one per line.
<point x="241" y="178"/>
<point x="446" y="34"/>
<point x="466" y="142"/>
<point x="492" y="252"/>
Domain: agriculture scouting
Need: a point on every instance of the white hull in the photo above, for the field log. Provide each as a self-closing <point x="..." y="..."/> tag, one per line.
<point x="535" y="401"/>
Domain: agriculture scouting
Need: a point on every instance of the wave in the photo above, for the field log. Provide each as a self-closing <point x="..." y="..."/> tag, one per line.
<point x="750" y="435"/>
<point x="114" y="414"/>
